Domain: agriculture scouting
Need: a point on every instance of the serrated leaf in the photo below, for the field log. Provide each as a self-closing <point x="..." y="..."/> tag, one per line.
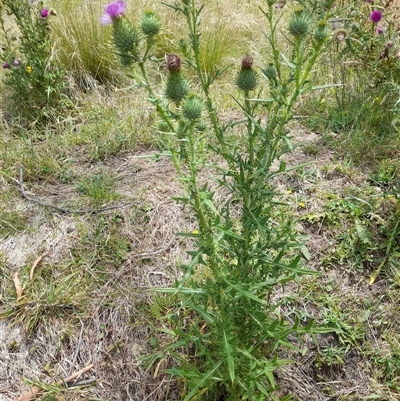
<point x="361" y="232"/>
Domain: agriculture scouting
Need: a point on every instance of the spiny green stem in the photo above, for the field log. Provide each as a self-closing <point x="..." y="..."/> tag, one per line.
<point x="204" y="227"/>
<point x="154" y="99"/>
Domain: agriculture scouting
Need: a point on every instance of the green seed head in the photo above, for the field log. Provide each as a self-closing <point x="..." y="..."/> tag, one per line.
<point x="201" y="126"/>
<point x="192" y="107"/>
<point x="126" y="38"/>
<point x="163" y="126"/>
<point x="300" y="24"/>
<point x="270" y="72"/>
<point x="247" y="78"/>
<point x="177" y="87"/>
<point x="150" y="24"/>
<point x="321" y="32"/>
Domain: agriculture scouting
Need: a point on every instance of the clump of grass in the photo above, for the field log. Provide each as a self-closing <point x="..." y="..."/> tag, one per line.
<point x="100" y="188"/>
<point x="11" y="222"/>
<point x="82" y="44"/>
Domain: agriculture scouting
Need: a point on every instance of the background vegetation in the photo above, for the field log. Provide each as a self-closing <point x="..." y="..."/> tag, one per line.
<point x="86" y="271"/>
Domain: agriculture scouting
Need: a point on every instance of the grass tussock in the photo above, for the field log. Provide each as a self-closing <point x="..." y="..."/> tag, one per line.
<point x="83" y="45"/>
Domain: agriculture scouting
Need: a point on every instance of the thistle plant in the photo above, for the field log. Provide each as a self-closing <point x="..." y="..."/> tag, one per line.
<point x="227" y="327"/>
<point x="35" y="81"/>
<point x="364" y="60"/>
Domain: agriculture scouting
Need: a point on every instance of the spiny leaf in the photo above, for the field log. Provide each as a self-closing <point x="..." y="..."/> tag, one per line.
<point x="226" y="339"/>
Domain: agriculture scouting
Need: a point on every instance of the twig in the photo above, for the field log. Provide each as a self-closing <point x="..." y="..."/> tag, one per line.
<point x="29" y="395"/>
<point x="61" y="209"/>
<point x="82" y="383"/>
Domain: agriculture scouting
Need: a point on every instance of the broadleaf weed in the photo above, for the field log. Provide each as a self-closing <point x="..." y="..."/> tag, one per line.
<point x="34" y="78"/>
<point x="228" y="324"/>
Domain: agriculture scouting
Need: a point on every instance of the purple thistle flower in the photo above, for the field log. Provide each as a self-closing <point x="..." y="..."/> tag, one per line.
<point x="380" y="31"/>
<point x="6" y="65"/>
<point x="44" y="13"/>
<point x="375" y="16"/>
<point x="112" y="11"/>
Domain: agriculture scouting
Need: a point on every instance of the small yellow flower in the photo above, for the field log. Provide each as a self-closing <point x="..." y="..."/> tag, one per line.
<point x="195" y="232"/>
<point x="28" y="69"/>
<point x="302" y="204"/>
<point x="289" y="191"/>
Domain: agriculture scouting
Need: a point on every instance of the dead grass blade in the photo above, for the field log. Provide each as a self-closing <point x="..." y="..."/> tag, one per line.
<point x="35" y="263"/>
<point x="18" y="288"/>
<point x="31" y="394"/>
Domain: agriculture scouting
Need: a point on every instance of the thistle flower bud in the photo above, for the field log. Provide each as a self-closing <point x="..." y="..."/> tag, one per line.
<point x="300" y="23"/>
<point x="192" y="107"/>
<point x="247" y="78"/>
<point x="321" y="32"/>
<point x="247" y="62"/>
<point x="150" y="24"/>
<point x="201" y="126"/>
<point x="270" y="72"/>
<point x="126" y="39"/>
<point x="328" y="4"/>
<point x="173" y="63"/>
<point x="163" y="126"/>
<point x="177" y="85"/>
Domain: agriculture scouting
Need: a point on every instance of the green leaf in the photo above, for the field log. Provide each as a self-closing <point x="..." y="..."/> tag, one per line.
<point x="305" y="252"/>
<point x="228" y="354"/>
<point x="180" y="290"/>
<point x="361" y="232"/>
<point x="203" y="382"/>
<point x="243" y="292"/>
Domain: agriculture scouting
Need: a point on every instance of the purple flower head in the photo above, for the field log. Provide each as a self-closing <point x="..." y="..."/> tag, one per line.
<point x="375" y="16"/>
<point x="44" y="13"/>
<point x="380" y="31"/>
<point x="6" y="65"/>
<point x="112" y="11"/>
<point x="389" y="44"/>
<point x="17" y="62"/>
